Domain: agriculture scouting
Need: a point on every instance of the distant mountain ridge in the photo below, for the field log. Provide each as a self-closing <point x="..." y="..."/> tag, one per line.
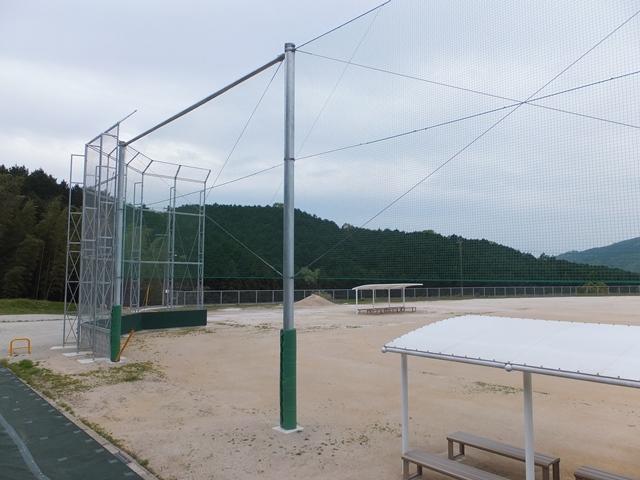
<point x="624" y="255"/>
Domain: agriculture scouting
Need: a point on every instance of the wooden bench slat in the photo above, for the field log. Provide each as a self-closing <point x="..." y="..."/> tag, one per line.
<point x="500" y="448"/>
<point x="448" y="467"/>
<point x="591" y="473"/>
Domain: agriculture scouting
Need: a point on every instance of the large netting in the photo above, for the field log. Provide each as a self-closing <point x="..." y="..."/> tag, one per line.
<point x="412" y="136"/>
<point x="444" y="143"/>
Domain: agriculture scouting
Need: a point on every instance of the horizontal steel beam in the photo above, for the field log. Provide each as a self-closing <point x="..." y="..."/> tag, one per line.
<point x="255" y="72"/>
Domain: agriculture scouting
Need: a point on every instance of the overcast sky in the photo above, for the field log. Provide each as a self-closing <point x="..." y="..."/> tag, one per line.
<point x="541" y="180"/>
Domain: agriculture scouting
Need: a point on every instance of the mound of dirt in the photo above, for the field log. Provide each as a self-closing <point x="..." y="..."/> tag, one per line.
<point x="314" y="301"/>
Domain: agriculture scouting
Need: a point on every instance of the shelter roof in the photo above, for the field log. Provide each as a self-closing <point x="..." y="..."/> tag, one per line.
<point x="604" y="353"/>
<point x="386" y="286"/>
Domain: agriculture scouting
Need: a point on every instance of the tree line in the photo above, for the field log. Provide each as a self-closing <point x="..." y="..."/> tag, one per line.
<point x="33" y="231"/>
<point x="243" y="248"/>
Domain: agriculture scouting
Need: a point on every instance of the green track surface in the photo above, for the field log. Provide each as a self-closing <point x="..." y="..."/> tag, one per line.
<point x="38" y="442"/>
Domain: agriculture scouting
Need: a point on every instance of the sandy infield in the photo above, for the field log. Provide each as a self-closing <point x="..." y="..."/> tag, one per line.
<point x="211" y="415"/>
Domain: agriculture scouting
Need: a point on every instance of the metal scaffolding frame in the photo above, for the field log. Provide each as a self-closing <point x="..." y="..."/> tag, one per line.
<point x="93" y="235"/>
<point x="97" y="243"/>
<point x="141" y="169"/>
<point x="72" y="261"/>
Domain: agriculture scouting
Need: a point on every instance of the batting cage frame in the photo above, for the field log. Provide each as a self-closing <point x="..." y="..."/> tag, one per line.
<point x="106" y="263"/>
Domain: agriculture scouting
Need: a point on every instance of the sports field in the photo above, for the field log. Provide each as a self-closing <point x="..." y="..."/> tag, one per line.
<point x="210" y="412"/>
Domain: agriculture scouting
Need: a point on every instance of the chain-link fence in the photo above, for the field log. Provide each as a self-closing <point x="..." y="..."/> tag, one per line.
<point x="344" y="295"/>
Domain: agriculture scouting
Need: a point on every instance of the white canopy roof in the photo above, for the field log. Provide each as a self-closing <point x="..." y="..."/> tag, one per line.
<point x="602" y="353"/>
<point x="386" y="286"/>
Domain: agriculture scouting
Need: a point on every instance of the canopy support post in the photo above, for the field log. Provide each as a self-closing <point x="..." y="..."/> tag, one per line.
<point x="529" y="447"/>
<point x="404" y="380"/>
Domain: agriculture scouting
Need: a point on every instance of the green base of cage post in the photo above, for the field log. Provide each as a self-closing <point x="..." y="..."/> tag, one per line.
<point x="288" y="407"/>
<point x="116" y="321"/>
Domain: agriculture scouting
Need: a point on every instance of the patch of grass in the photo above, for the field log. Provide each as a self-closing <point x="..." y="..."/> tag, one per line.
<point x="180" y="332"/>
<point x="57" y="385"/>
<point x="66" y="407"/>
<point x="18" y="306"/>
<point x="129" y="372"/>
<point x="108" y="436"/>
<point x="50" y="383"/>
<point x="483" y="387"/>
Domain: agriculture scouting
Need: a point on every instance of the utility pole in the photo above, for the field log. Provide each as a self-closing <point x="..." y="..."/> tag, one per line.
<point x="116" y="310"/>
<point x="288" y="348"/>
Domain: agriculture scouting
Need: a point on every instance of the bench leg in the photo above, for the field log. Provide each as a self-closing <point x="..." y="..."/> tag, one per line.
<point x="405" y="469"/>
<point x="556" y="471"/>
<point x="545" y="473"/>
<point x="406" y="474"/>
<point x="450" y="452"/>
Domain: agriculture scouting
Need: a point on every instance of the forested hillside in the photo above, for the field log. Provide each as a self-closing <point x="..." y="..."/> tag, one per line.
<point x="625" y="255"/>
<point x="33" y="230"/>
<point x="345" y="256"/>
<point x="242" y="240"/>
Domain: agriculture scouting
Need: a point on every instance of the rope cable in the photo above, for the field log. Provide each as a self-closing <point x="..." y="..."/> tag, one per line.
<point x="486" y="94"/>
<point x="345" y="23"/>
<point x="338" y="81"/>
<point x="418" y="130"/>
<point x="246" y="125"/>
<point x="243" y="245"/>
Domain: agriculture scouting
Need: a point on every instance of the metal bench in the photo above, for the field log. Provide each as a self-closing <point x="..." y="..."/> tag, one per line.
<point x="382" y="310"/>
<point x="590" y="473"/>
<point x="546" y="462"/>
<point x="442" y="465"/>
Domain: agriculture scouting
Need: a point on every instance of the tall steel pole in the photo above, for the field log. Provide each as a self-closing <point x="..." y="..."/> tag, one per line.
<point x="288" y="354"/>
<point x="116" y="310"/>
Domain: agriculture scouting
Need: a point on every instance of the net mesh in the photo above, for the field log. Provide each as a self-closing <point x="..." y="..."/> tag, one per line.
<point x="451" y="144"/>
<point x="471" y="145"/>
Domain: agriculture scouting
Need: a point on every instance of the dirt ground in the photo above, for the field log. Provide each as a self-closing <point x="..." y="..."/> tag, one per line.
<point x="211" y="415"/>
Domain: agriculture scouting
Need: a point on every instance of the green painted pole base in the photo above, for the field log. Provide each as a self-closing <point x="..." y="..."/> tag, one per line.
<point x="288" y="353"/>
<point x="116" y="325"/>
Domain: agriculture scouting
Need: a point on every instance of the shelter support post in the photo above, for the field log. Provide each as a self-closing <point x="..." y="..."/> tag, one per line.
<point x="404" y="380"/>
<point x="529" y="446"/>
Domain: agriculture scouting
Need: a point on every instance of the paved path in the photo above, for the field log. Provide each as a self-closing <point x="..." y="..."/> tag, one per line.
<point x="43" y="335"/>
<point x="38" y="442"/>
<point x="31" y="317"/>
